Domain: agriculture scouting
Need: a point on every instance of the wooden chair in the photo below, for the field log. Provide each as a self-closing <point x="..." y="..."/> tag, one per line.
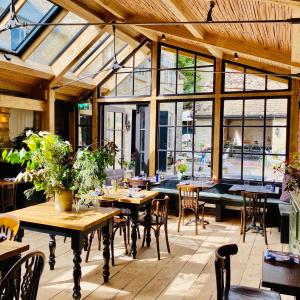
<point x="159" y="218"/>
<point x="8" y="197"/>
<point x="223" y="275"/>
<point x="254" y="209"/>
<point x="23" y="284"/>
<point x="9" y="225"/>
<point x="141" y="183"/>
<point x="189" y="200"/>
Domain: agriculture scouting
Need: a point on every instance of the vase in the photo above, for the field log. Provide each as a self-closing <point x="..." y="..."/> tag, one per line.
<point x="63" y="200"/>
<point x="180" y="175"/>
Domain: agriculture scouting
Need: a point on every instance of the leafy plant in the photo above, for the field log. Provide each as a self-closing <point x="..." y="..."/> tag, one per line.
<point x="47" y="160"/>
<point x="90" y="167"/>
<point x="181" y="167"/>
<point x="127" y="164"/>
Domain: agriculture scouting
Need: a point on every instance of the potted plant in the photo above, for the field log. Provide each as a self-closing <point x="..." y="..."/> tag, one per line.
<point x="181" y="168"/>
<point x="48" y="165"/>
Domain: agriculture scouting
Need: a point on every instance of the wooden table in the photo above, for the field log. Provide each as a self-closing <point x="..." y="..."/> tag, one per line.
<point x="202" y="185"/>
<point x="122" y="200"/>
<point x="281" y="277"/>
<point x="44" y="218"/>
<point x="253" y="189"/>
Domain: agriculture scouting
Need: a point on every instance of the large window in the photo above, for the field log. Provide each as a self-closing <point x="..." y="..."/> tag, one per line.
<point x="239" y="78"/>
<point x="185" y="131"/>
<point x="185" y="72"/>
<point x="134" y="79"/>
<point x="84" y="134"/>
<point x="254" y="138"/>
<point x="33" y="11"/>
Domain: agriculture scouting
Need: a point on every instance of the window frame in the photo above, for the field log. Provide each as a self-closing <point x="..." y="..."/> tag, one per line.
<point x="174" y="151"/>
<point x="243" y="126"/>
<point x="160" y="45"/>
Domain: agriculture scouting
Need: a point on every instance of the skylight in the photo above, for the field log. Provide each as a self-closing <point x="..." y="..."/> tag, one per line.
<point x="4" y="5"/>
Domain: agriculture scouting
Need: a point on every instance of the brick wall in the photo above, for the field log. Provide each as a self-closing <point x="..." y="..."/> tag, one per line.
<point x="4" y="126"/>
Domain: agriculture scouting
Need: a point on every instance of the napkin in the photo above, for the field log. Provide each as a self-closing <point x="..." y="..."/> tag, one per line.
<point x="281" y="256"/>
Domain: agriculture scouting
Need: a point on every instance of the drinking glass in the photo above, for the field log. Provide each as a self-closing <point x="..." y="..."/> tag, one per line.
<point x="77" y="204"/>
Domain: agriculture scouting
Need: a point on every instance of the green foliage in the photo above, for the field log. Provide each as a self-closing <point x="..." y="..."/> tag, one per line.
<point x="90" y="167"/>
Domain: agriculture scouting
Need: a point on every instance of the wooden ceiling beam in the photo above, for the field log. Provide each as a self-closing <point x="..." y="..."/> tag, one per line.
<point x="228" y="45"/>
<point x="71" y="56"/>
<point x="294" y="3"/>
<point x="295" y="41"/>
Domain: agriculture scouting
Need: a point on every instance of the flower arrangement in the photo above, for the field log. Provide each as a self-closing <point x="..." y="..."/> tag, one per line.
<point x="181" y="166"/>
<point x="291" y="168"/>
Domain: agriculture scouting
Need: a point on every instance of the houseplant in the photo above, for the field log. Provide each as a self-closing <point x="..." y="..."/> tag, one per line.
<point x="48" y="165"/>
<point x="181" y="168"/>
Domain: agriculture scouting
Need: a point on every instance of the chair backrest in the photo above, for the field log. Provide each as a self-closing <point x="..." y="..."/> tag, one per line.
<point x="254" y="202"/>
<point x="9" y="225"/>
<point x="222" y="269"/>
<point x="160" y="209"/>
<point x="141" y="183"/>
<point x="188" y="196"/>
<point x="8" y="197"/>
<point x="22" y="280"/>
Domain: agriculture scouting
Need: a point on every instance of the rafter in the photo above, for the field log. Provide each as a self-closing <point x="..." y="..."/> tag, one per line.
<point x="295" y="41"/>
<point x="284" y="2"/>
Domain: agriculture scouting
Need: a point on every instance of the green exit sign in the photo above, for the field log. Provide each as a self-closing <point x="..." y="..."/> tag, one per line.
<point x="83" y="106"/>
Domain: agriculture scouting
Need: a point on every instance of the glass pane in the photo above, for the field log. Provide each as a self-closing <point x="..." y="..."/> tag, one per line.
<point x="167" y="113"/>
<point x="56" y="41"/>
<point x="185" y="113"/>
<point x="254" y="81"/>
<point x="185" y="81"/>
<point x="109" y="135"/>
<point x="234" y="78"/>
<point x="167" y="58"/>
<point x="142" y="140"/>
<point x="167" y="82"/>
<point x="186" y="59"/>
<point x="108" y="88"/>
<point x="142" y="59"/>
<point x="231" y="167"/>
<point x="277" y="83"/>
<point x="202" y="139"/>
<point x="276" y="112"/>
<point x="142" y="83"/>
<point x="118" y="139"/>
<point x="203" y="113"/>
<point x="203" y="61"/>
<point x="166" y="138"/>
<point x="233" y="112"/>
<point x="184" y="139"/>
<point x="232" y="140"/>
<point x="4" y="4"/>
<point x="124" y="84"/>
<point x="166" y="162"/>
<point x="254" y="112"/>
<point x="119" y="121"/>
<point x="110" y="120"/>
<point x="205" y="80"/>
<point x="33" y="11"/>
<point x="187" y="157"/>
<point x="272" y="161"/>
<point x="85" y="120"/>
<point x="84" y="136"/>
<point x="253" y="140"/>
<point x="202" y="164"/>
<point x="252" y="167"/>
<point x="275" y="140"/>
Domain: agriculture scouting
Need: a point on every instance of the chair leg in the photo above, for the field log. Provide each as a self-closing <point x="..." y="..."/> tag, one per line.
<point x="179" y="220"/>
<point x="144" y="237"/>
<point x="65" y="239"/>
<point x="99" y="239"/>
<point x="183" y="217"/>
<point x="167" y="238"/>
<point x="157" y="243"/>
<point x="265" y="230"/>
<point x="196" y="222"/>
<point x="203" y="225"/>
<point x="138" y="232"/>
<point x="244" y="225"/>
<point x="89" y="246"/>
<point x="125" y="238"/>
<point x="241" y="230"/>
<point x="128" y="231"/>
<point x="112" y="248"/>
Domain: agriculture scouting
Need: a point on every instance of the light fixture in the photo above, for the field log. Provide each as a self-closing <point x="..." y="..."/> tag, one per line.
<point x="163" y="37"/>
<point x="209" y="14"/>
<point x="235" y="56"/>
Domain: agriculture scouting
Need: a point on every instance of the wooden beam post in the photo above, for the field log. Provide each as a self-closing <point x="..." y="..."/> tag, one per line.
<point x="217" y="121"/>
<point x="50" y="110"/>
<point x="95" y="118"/>
<point x="294" y="118"/>
<point x="153" y="112"/>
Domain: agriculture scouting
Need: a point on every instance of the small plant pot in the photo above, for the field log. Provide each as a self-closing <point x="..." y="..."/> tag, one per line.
<point x="63" y="201"/>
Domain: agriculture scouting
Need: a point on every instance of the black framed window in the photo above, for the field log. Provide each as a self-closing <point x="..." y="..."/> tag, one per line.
<point x="84" y="127"/>
<point x="255" y="138"/>
<point x="240" y="78"/>
<point x="184" y="72"/>
<point x="132" y="80"/>
<point x="33" y="11"/>
<point x="185" y="132"/>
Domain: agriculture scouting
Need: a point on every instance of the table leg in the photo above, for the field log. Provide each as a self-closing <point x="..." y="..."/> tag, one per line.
<point x="148" y="224"/>
<point x="85" y="243"/>
<point x="52" y="247"/>
<point x="77" y="245"/>
<point x="20" y="235"/>
<point x="106" y="234"/>
<point x="134" y="217"/>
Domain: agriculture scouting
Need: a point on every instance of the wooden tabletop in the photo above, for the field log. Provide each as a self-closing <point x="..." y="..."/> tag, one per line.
<point x="282" y="277"/>
<point x="254" y="189"/>
<point x="122" y="196"/>
<point x="9" y="249"/>
<point x="46" y="214"/>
